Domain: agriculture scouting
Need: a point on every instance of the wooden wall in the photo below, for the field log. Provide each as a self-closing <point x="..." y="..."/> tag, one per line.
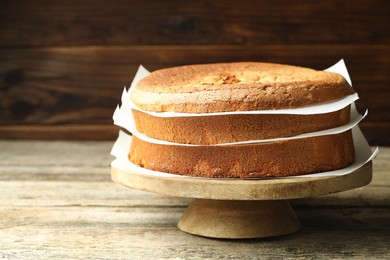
<point x="63" y="64"/>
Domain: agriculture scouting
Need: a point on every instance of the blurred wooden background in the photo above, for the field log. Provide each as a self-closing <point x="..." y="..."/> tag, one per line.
<point x="63" y="64"/>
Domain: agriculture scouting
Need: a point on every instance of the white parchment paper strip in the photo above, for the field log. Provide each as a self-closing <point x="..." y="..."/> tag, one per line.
<point x="363" y="154"/>
<point x="124" y="118"/>
<point x="339" y="68"/>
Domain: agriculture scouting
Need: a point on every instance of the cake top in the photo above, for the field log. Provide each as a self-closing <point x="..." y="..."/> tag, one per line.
<point x="238" y="86"/>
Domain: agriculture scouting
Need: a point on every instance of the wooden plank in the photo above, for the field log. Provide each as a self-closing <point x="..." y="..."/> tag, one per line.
<point x="64" y="23"/>
<point x="82" y="85"/>
<point x="74" y="193"/>
<point x="377" y="133"/>
<point x="101" y="232"/>
<point x="107" y="193"/>
<point x="60" y="131"/>
<point x="46" y="154"/>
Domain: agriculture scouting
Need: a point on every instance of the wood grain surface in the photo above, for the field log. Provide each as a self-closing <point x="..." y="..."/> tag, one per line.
<point x="210" y="22"/>
<point x="64" y="63"/>
<point x="57" y="201"/>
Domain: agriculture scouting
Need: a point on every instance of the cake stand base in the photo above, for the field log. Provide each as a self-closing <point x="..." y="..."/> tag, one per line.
<point x="234" y="219"/>
<point x="235" y="208"/>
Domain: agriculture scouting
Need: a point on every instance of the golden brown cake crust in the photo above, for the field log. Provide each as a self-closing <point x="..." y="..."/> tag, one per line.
<point x="274" y="159"/>
<point x="207" y="130"/>
<point x="236" y="86"/>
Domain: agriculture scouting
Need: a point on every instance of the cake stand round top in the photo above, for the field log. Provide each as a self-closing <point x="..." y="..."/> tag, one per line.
<point x="240" y="189"/>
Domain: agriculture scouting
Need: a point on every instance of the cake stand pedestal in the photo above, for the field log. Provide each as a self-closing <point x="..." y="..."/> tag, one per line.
<point x="235" y="208"/>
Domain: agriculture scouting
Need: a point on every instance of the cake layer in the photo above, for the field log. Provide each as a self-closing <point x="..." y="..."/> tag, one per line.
<point x="239" y="86"/>
<point x="207" y="130"/>
<point x="273" y="159"/>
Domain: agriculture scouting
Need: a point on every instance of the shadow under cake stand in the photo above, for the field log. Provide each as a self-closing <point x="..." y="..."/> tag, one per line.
<point x="236" y="208"/>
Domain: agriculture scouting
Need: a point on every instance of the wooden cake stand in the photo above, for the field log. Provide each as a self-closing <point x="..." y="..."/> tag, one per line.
<point x="236" y="208"/>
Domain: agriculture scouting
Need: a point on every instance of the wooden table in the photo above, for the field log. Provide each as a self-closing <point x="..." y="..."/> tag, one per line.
<point x="57" y="201"/>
